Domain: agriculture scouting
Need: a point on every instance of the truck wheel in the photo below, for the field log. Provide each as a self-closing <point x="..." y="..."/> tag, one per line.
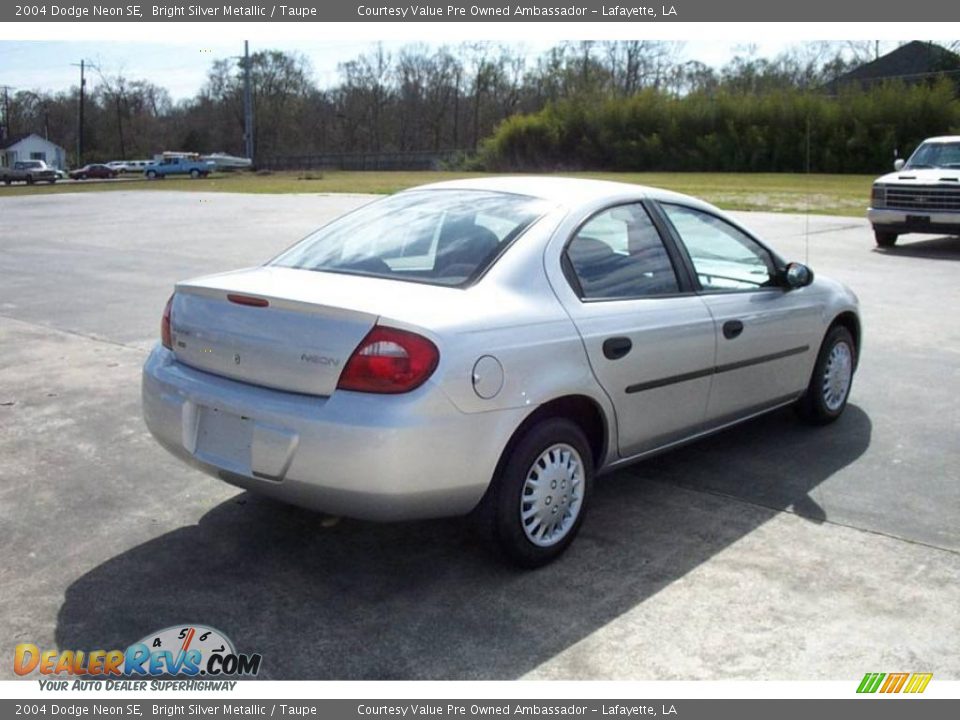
<point x="7" y="181"/>
<point x="194" y="173"/>
<point x="29" y="180"/>
<point x="151" y="174"/>
<point x="885" y="239"/>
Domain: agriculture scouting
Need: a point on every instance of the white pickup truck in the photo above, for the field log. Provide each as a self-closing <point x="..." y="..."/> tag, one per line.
<point x="921" y="195"/>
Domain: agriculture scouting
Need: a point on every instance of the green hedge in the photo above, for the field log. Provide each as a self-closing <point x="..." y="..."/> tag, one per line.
<point x="854" y="132"/>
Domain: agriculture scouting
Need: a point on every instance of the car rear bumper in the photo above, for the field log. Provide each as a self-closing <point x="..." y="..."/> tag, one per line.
<point x="377" y="457"/>
<point x="914" y="221"/>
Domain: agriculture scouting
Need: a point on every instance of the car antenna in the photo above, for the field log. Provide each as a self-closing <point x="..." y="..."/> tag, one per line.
<point x="806" y="218"/>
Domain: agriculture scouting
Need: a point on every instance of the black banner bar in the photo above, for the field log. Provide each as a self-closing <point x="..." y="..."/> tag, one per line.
<point x="460" y="709"/>
<point x="481" y="11"/>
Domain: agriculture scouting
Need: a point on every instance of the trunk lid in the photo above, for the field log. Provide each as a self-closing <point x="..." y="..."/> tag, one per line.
<point x="299" y="342"/>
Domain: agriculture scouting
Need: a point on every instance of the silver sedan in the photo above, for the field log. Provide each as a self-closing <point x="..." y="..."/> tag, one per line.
<point x="491" y="346"/>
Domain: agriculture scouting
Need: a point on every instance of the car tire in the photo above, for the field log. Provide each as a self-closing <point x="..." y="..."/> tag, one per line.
<point x="29" y="180"/>
<point x="195" y="174"/>
<point x="885" y="239"/>
<point x="556" y="453"/>
<point x="151" y="174"/>
<point x="7" y="181"/>
<point x="829" y="388"/>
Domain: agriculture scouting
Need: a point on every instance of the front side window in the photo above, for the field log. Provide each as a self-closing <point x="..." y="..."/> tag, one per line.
<point x="618" y="254"/>
<point x="441" y="237"/>
<point x="724" y="257"/>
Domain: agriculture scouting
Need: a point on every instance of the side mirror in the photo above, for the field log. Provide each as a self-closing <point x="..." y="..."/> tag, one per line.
<point x="898" y="164"/>
<point x="797" y="275"/>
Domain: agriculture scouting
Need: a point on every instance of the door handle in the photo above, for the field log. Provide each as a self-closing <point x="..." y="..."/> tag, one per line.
<point x="732" y="328"/>
<point x="616" y="347"/>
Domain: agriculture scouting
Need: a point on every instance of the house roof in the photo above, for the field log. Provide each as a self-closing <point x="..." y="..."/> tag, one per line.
<point x="914" y="62"/>
<point x="14" y="139"/>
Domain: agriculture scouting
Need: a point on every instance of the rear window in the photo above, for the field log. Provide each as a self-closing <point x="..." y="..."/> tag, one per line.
<point x="442" y="237"/>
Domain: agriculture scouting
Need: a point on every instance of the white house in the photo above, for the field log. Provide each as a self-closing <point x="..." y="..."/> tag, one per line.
<point x="32" y="147"/>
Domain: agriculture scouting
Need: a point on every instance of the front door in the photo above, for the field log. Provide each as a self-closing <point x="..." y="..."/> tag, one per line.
<point x="766" y="334"/>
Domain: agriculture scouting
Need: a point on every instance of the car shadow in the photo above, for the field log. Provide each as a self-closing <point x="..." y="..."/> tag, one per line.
<point x="425" y="600"/>
<point x="939" y="248"/>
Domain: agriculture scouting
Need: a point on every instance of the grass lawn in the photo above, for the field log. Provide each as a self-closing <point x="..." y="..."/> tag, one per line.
<point x="777" y="192"/>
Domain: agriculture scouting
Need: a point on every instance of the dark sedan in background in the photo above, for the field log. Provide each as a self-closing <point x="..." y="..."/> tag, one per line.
<point x="95" y="171"/>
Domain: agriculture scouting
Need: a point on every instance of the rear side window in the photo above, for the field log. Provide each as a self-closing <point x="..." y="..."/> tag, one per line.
<point x="618" y="254"/>
<point x="442" y="237"/>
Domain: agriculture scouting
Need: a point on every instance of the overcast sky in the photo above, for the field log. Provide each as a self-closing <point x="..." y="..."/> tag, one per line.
<point x="181" y="69"/>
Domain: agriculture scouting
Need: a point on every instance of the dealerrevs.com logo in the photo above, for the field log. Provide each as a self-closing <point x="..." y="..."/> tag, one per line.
<point x="181" y="650"/>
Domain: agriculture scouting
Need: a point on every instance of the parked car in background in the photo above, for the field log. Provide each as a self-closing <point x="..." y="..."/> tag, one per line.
<point x="28" y="171"/>
<point x="94" y="171"/>
<point x="921" y="195"/>
<point x="179" y="165"/>
<point x="491" y="345"/>
<point x="128" y="166"/>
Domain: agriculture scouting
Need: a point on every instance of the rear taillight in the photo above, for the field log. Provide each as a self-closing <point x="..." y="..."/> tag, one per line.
<point x="165" y="336"/>
<point x="389" y="361"/>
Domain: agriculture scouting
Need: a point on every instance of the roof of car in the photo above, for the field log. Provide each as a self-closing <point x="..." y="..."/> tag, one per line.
<point x="944" y="139"/>
<point x="558" y="189"/>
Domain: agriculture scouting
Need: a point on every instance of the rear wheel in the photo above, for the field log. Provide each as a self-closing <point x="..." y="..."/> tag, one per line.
<point x="29" y="180"/>
<point x="829" y="387"/>
<point x="195" y="173"/>
<point x="152" y="174"/>
<point x="536" y="505"/>
<point x="885" y="239"/>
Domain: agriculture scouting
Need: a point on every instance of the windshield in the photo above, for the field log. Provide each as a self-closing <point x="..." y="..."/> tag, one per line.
<point x="442" y="237"/>
<point x="936" y="155"/>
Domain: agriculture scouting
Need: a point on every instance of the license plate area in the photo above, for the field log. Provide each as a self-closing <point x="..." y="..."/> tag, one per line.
<point x="918" y="219"/>
<point x="224" y="439"/>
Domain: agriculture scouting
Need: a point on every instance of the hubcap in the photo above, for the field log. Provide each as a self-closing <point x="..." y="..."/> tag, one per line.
<point x="837" y="376"/>
<point x="552" y="495"/>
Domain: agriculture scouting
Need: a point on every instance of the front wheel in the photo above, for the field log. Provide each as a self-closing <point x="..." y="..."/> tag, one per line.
<point x="195" y="173"/>
<point x="885" y="239"/>
<point x="537" y="503"/>
<point x="151" y="174"/>
<point x="829" y="387"/>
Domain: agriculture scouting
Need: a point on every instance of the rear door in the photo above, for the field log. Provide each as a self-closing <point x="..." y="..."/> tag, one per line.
<point x="650" y="340"/>
<point x="766" y="334"/>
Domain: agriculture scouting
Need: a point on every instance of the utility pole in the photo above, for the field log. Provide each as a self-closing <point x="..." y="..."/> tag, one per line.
<point x="83" y="83"/>
<point x="247" y="103"/>
<point x="5" y="128"/>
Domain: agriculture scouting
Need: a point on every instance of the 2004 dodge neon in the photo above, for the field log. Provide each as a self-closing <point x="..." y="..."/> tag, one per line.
<point x="491" y="346"/>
